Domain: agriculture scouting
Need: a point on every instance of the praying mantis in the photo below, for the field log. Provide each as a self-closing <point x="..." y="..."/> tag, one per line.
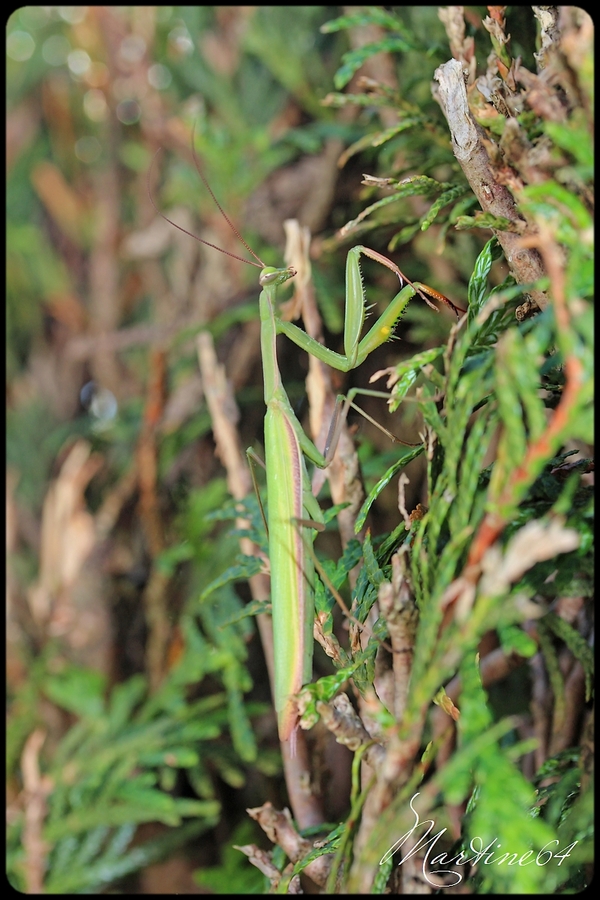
<point x="293" y="514"/>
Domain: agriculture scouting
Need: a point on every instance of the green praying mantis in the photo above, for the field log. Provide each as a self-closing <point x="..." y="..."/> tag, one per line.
<point x="293" y="514"/>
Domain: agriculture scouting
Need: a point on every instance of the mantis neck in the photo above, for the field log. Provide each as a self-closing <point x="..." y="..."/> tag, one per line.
<point x="268" y="344"/>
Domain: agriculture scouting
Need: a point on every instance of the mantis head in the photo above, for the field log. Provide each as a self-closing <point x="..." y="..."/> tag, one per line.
<point x="272" y="277"/>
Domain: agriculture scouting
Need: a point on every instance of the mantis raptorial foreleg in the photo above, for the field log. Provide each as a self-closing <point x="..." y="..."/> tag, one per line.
<point x="293" y="513"/>
<point x="356" y="349"/>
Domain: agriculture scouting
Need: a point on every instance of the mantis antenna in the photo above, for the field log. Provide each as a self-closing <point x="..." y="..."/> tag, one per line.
<point x="259" y="264"/>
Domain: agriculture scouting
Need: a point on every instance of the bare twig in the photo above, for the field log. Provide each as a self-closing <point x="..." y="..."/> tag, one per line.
<point x="280" y="830"/>
<point x="547" y="17"/>
<point x="393" y="774"/>
<point x="35" y="790"/>
<point x="397" y="606"/>
<point x="263" y="862"/>
<point x="341" y="719"/>
<point x="473" y="157"/>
